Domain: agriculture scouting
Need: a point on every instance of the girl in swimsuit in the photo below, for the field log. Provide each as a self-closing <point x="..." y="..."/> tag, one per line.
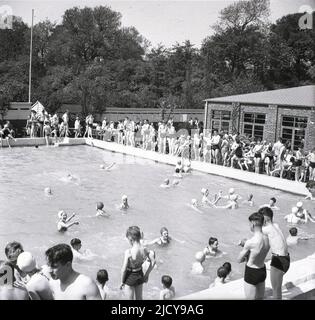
<point x="132" y="277"/>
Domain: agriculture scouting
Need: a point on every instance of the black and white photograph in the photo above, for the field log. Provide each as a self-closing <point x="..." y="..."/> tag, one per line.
<point x="157" y="150"/>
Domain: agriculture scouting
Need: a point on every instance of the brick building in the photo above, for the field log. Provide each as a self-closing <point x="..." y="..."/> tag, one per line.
<point x="288" y="113"/>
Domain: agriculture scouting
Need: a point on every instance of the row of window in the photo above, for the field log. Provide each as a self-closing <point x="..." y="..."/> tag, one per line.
<point x="292" y="128"/>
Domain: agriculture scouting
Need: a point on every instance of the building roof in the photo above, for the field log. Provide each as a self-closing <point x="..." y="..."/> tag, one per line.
<point x="296" y="96"/>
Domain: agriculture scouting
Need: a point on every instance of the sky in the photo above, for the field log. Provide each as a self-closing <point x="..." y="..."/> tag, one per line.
<point x="159" y="21"/>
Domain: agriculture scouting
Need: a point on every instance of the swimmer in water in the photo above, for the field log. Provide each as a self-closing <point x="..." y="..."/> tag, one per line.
<point x="164" y="239"/>
<point x="165" y="184"/>
<point x="63" y="223"/>
<point x="271" y="204"/>
<point x="303" y="213"/>
<point x="212" y="249"/>
<point x="232" y="203"/>
<point x="292" y="218"/>
<point x="293" y="238"/>
<point x="100" y="211"/>
<point x="197" y="267"/>
<point x="195" y="205"/>
<point x="168" y="291"/>
<point x="175" y="182"/>
<point x="249" y="200"/>
<point x="78" y="254"/>
<point x="205" y="201"/>
<point x="124" y="205"/>
<point x="222" y="273"/>
<point x="48" y="191"/>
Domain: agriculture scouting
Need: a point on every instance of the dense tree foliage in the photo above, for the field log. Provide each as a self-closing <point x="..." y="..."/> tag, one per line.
<point x="92" y="60"/>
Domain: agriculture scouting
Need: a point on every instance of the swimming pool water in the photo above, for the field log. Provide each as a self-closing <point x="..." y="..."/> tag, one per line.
<point x="29" y="216"/>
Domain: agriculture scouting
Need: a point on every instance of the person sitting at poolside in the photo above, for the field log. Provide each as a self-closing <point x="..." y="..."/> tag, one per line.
<point x="222" y="273"/>
<point x="168" y="291"/>
<point x="310" y="186"/>
<point x="249" y="200"/>
<point x="293" y="238"/>
<point x="38" y="284"/>
<point x="303" y="213"/>
<point x="100" y="210"/>
<point x="205" y="201"/>
<point x="124" y="205"/>
<point x="211" y="250"/>
<point x="164" y="239"/>
<point x="63" y="223"/>
<point x="271" y="204"/>
<point x="197" y="267"/>
<point x="101" y="279"/>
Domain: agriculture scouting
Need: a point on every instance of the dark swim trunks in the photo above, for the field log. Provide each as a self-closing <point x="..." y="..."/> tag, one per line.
<point x="134" y="278"/>
<point x="312" y="164"/>
<point x="255" y="276"/>
<point x="280" y="262"/>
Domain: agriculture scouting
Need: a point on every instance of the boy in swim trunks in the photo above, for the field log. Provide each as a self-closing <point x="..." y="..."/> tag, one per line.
<point x="280" y="261"/>
<point x="63" y="223"/>
<point x="168" y="292"/>
<point x="254" y="253"/>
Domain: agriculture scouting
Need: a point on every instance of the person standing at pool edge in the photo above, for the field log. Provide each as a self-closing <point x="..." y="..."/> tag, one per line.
<point x="254" y="253"/>
<point x="280" y="261"/>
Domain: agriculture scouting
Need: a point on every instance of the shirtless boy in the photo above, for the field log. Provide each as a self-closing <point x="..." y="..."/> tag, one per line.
<point x="66" y="283"/>
<point x="280" y="261"/>
<point x="254" y="253"/>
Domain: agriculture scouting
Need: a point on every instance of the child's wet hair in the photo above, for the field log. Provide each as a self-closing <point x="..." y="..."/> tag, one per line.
<point x="227" y="266"/>
<point x="222" y="272"/>
<point x="102" y="276"/>
<point x="133" y="233"/>
<point x="293" y="231"/>
<point x="75" y="242"/>
<point x="212" y="240"/>
<point x="167" y="281"/>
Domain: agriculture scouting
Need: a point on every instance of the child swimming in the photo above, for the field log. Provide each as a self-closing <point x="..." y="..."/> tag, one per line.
<point x="212" y="249"/>
<point x="271" y="204"/>
<point x="168" y="291"/>
<point x="63" y="224"/>
<point x="205" y="201"/>
<point x="100" y="211"/>
<point x="101" y="279"/>
<point x="164" y="239"/>
<point x="165" y="184"/>
<point x="249" y="200"/>
<point x="124" y="205"/>
<point x="197" y="267"/>
<point x="222" y="273"/>
<point x="293" y="238"/>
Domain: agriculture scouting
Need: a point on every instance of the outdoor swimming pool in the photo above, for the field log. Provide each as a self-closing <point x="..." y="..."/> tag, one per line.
<point x="28" y="216"/>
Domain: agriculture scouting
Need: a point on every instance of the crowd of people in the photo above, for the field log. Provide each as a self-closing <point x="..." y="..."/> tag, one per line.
<point x="22" y="278"/>
<point x="194" y="143"/>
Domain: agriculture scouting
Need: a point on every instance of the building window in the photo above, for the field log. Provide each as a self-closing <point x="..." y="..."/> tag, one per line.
<point x="293" y="130"/>
<point x="253" y="125"/>
<point x="221" y="120"/>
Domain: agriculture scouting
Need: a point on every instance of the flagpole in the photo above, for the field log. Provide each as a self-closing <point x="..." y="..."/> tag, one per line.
<point x="30" y="70"/>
